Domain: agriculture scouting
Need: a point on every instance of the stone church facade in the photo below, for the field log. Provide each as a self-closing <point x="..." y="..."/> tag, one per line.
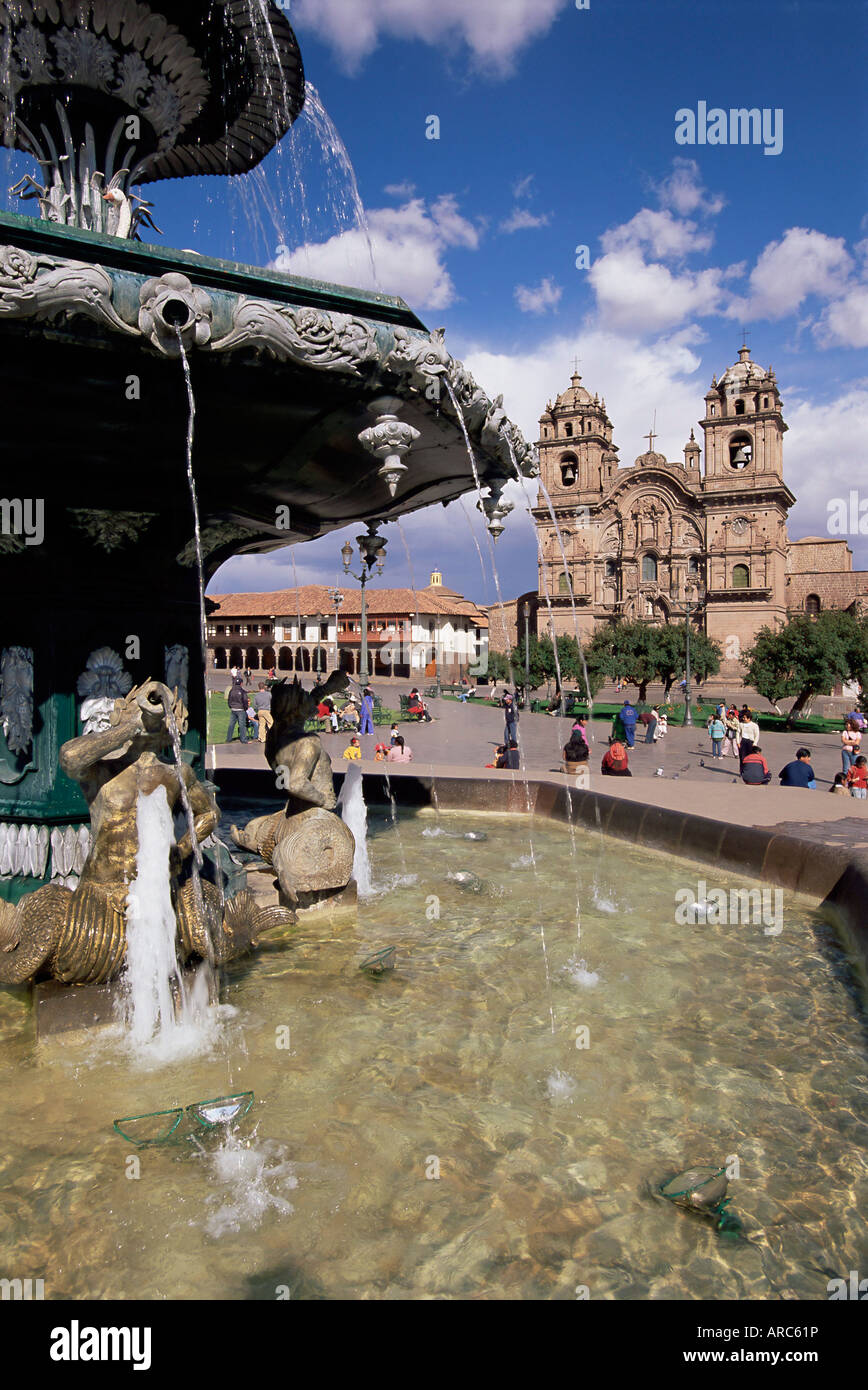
<point x="662" y="538"/>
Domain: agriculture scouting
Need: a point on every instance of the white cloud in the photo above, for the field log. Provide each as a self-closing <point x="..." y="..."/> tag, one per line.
<point x="408" y="245"/>
<point x="521" y="220"/>
<point x="802" y="263"/>
<point x="521" y="188"/>
<point x="536" y="299"/>
<point x="824" y="456"/>
<point x="684" y="191"/>
<point x="495" y="31"/>
<point x="635" y="296"/>
<point x="664" y="235"/>
<point x="844" y="323"/>
<point x="400" y="190"/>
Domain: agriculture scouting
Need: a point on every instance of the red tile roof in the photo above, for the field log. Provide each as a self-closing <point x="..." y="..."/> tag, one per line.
<point x="311" y="599"/>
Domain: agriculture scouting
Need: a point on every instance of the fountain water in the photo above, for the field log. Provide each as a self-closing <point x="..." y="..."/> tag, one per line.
<point x="354" y="814"/>
<point x="165" y="1018"/>
<point x="456" y="405"/>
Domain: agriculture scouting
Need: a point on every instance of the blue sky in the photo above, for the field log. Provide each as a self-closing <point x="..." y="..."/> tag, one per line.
<point x="557" y="128"/>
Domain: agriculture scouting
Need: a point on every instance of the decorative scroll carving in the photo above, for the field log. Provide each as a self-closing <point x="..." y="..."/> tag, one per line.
<point x="40" y="287"/>
<point x="328" y="342"/>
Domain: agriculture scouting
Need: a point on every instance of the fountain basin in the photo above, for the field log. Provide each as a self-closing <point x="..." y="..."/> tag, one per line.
<point x="432" y="1135"/>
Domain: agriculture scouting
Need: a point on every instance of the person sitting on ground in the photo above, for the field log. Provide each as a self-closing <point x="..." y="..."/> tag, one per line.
<point x="857" y="778"/>
<point x="615" y="762"/>
<point x="576" y="750"/>
<point x="499" y="755"/>
<point x="380" y="753"/>
<point x="511" y="760"/>
<point x="353" y="751"/>
<point x="839" y="786"/>
<point x="400" y="752"/>
<point x="349" y="716"/>
<point x="799" y="773"/>
<point x="755" y="769"/>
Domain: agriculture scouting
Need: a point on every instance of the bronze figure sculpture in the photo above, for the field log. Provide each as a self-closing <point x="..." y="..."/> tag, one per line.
<point x="309" y="847"/>
<point x="78" y="936"/>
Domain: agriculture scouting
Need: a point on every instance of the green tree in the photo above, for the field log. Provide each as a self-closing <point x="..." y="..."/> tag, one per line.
<point x="498" y="666"/>
<point x="642" y="652"/>
<point x="807" y="657"/>
<point x="671" y="655"/>
<point x="542" y="662"/>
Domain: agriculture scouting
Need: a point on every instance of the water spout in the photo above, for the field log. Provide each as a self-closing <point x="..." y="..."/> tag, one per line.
<point x="354" y="814"/>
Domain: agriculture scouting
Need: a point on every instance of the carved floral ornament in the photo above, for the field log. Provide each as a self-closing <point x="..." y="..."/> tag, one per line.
<point x="121" y="48"/>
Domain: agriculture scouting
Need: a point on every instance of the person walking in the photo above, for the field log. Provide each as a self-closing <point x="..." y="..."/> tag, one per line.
<point x="799" y="773"/>
<point x="262" y="710"/>
<point x="717" y="733"/>
<point x="732" y="734"/>
<point x="367" y="726"/>
<point x="851" y="742"/>
<point x="510" y="717"/>
<point x="629" y="715"/>
<point x="237" y="702"/>
<point x="651" y="727"/>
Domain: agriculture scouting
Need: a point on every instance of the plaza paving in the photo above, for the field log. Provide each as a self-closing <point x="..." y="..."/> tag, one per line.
<point x="677" y="772"/>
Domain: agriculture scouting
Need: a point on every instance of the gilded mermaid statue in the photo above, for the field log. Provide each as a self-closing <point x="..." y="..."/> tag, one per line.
<point x="78" y="936"/>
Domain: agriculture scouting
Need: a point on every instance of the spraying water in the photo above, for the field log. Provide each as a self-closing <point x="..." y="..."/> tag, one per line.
<point x="456" y="405"/>
<point x="153" y="979"/>
<point x="354" y="814"/>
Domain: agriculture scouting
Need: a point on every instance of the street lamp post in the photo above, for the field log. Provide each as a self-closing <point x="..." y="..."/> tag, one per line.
<point x="371" y="548"/>
<point x="696" y="588"/>
<point x="526" y="611"/>
<point x="337" y="599"/>
<point x="320" y="619"/>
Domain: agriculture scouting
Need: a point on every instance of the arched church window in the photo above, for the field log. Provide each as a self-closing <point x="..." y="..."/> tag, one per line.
<point x="739" y="407"/>
<point x="693" y="564"/>
<point x="812" y="605"/>
<point x="568" y="430"/>
<point x="563" y="583"/>
<point x="649" y="569"/>
<point x="569" y="469"/>
<point x="611" y="569"/>
<point x="740" y="451"/>
<point x="712" y="410"/>
<point x="740" y="577"/>
<point x="765" y="402"/>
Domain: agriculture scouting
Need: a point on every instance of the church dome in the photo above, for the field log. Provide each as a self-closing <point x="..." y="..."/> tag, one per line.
<point x="743" y="372"/>
<point x="575" y="396"/>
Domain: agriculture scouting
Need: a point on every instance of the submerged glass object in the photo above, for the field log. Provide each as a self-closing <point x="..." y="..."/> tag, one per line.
<point x="154" y="1128"/>
<point x="160" y="1126"/>
<point x="380" y="961"/>
<point x="221" y="1111"/>
<point x="703" y="1190"/>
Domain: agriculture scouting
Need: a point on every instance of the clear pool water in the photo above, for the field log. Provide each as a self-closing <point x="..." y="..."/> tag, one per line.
<point x="706" y="1043"/>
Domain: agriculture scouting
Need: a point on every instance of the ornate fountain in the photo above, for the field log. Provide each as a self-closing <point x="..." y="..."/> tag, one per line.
<point x="98" y="561"/>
